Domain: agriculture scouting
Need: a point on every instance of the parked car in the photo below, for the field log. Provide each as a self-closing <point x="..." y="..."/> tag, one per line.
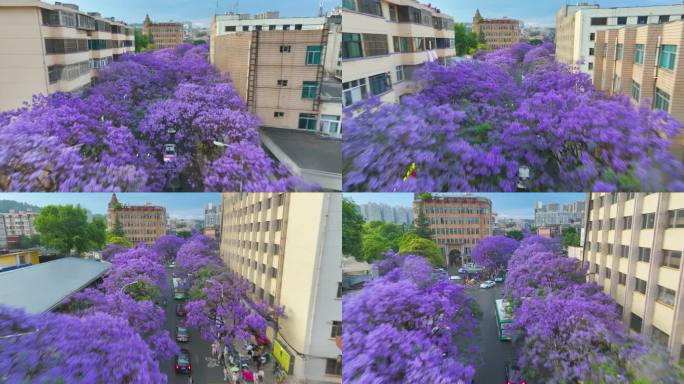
<point x="180" y="310"/>
<point x="499" y="278"/>
<point x="183" y="362"/>
<point x="169" y="152"/>
<point x="513" y="374"/>
<point x="172" y="265"/>
<point x="182" y="334"/>
<point x="458" y="278"/>
<point x="462" y="270"/>
<point x="487" y="284"/>
<point x="179" y="295"/>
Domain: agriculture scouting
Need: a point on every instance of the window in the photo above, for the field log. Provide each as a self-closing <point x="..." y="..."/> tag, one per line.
<point x="286" y="27"/>
<point x="375" y="44"/>
<point x="313" y="55"/>
<point x="64" y="46"/>
<point x="271" y="27"/>
<point x="369" y="6"/>
<point x="278" y="114"/>
<point x="336" y="329"/>
<point x="642" y="19"/>
<point x="354" y="91"/>
<point x="639" y="54"/>
<point x="672" y="259"/>
<point x="307" y="121"/>
<point x="339" y="290"/>
<point x="618" y="51"/>
<point x="610" y="249"/>
<point x="271" y="299"/>
<point x="245" y="28"/>
<point x="282" y="83"/>
<point x="592" y="36"/>
<point x="349" y="4"/>
<point x="608" y="273"/>
<point x="400" y="73"/>
<point x="333" y="367"/>
<point x="599" y="21"/>
<point x="591" y="66"/>
<point x="351" y="45"/>
<point x="298" y="27"/>
<point x="636" y="91"/>
<point x="309" y="90"/>
<point x="257" y="27"/>
<point x="644" y="254"/>
<point x="591" y="51"/>
<point x="622" y="278"/>
<point x="635" y="322"/>
<point x="230" y="28"/>
<point x="666" y="296"/>
<point x="662" y="100"/>
<point x="330" y="124"/>
<point x="647" y="220"/>
<point x="668" y="54"/>
<point x="380" y="84"/>
<point x="624" y="250"/>
<point x="621" y="20"/>
<point x="611" y="225"/>
<point x="285" y="48"/>
<point x="675" y="219"/>
<point x="274" y="272"/>
<point x="663" y="19"/>
<point x="640" y="285"/>
<point x="393" y="12"/>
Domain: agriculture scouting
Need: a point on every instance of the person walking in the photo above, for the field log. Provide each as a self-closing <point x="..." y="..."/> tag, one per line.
<point x="225" y="373"/>
<point x="190" y="381"/>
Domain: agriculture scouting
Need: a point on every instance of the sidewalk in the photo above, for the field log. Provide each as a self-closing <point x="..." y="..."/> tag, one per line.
<point x="215" y="365"/>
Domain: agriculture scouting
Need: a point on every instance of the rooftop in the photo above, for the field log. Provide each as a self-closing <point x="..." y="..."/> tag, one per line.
<point x="40" y="288"/>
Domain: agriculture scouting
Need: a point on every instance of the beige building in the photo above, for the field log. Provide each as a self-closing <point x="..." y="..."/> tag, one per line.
<point x="47" y="48"/>
<point x="578" y="25"/>
<point x="141" y="223"/>
<point x="497" y="33"/>
<point x="163" y="35"/>
<point x="643" y="62"/>
<point x="458" y="222"/>
<point x="18" y="223"/>
<point x="633" y="243"/>
<point x="288" y="247"/>
<point x="385" y="41"/>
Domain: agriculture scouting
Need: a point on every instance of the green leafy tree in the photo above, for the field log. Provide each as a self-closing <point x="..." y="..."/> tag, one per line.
<point x="411" y="243"/>
<point x="571" y="237"/>
<point x="352" y="229"/>
<point x="378" y="237"/>
<point x="184" y="234"/>
<point x="515" y="234"/>
<point x="142" y="290"/>
<point x="117" y="240"/>
<point x="142" y="42"/>
<point x="465" y="42"/>
<point x="24" y="242"/>
<point x="66" y="229"/>
<point x="118" y="230"/>
<point x="422" y="225"/>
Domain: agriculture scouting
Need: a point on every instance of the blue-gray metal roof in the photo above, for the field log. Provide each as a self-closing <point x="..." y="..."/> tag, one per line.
<point x="41" y="287"/>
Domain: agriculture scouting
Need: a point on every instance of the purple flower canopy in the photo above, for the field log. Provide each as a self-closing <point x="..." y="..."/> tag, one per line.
<point x="475" y="123"/>
<point x="113" y="136"/>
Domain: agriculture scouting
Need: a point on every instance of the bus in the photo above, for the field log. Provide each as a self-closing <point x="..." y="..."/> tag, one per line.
<point x="504" y="320"/>
<point x="178" y="290"/>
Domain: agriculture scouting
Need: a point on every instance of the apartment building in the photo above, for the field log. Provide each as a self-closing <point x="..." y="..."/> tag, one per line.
<point x="288" y="247"/>
<point x="287" y="71"/>
<point x="644" y="63"/>
<point x="557" y="214"/>
<point x="19" y="223"/>
<point x="386" y="213"/>
<point x="458" y="222"/>
<point x="163" y="35"/>
<point x="385" y="41"/>
<point x="46" y="48"/>
<point x="497" y="33"/>
<point x="141" y="223"/>
<point x="577" y="26"/>
<point x="633" y="243"/>
<point x="3" y="234"/>
<point x="212" y="216"/>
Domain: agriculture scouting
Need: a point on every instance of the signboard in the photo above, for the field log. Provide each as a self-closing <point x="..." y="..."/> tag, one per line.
<point x="282" y="356"/>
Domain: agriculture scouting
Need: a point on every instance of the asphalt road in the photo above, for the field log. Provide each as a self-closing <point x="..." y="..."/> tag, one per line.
<point x="493" y="353"/>
<point x="199" y="349"/>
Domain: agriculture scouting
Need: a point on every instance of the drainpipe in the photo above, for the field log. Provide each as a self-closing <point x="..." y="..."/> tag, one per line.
<point x="655" y="70"/>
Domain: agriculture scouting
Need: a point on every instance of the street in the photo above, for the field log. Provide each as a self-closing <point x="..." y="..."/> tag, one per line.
<point x="493" y="352"/>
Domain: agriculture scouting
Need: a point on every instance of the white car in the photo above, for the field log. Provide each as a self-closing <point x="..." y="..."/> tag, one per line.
<point x="487" y="284"/>
<point x="456" y="277"/>
<point x="172" y="265"/>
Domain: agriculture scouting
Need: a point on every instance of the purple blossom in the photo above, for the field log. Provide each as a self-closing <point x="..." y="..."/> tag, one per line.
<point x="494" y="251"/>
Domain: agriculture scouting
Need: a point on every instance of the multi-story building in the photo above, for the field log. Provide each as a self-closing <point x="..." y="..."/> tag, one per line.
<point x="163" y="35"/>
<point x="556" y="214"/>
<point x="19" y="223"/>
<point x="212" y="216"/>
<point x="288" y="247"/>
<point x="47" y="48"/>
<point x="497" y="33"/>
<point x="19" y="258"/>
<point x="633" y="243"/>
<point x="287" y="71"/>
<point x="141" y="223"/>
<point x="458" y="222"/>
<point x="577" y="26"/>
<point x="644" y="63"/>
<point x="385" y="41"/>
<point x="386" y="213"/>
<point x="3" y="234"/>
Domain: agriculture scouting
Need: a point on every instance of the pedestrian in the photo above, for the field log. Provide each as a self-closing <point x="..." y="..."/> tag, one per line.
<point x="234" y="377"/>
<point x="260" y="375"/>
<point x="190" y="379"/>
<point x="258" y="362"/>
<point x="225" y="373"/>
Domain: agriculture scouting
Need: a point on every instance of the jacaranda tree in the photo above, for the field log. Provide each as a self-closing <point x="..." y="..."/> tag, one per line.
<point x="408" y="327"/>
<point x="493" y="252"/>
<point x="477" y="125"/>
<point x="114" y="135"/>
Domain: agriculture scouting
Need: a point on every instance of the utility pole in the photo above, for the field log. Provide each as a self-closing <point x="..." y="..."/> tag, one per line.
<point x="320" y="9"/>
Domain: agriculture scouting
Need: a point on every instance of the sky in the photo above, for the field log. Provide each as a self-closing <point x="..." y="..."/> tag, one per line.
<point x="196" y="11"/>
<point x="178" y="205"/>
<point x="511" y="205"/>
<point x="531" y="12"/>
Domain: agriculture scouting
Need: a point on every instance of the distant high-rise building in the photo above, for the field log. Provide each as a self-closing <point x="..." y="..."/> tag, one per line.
<point x="386" y="213"/>
<point x="497" y="33"/>
<point x="212" y="216"/>
<point x="633" y="244"/>
<point x="3" y="234"/>
<point x="553" y="214"/>
<point x="163" y="35"/>
<point x="288" y="247"/>
<point x="141" y="223"/>
<point x="458" y="222"/>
